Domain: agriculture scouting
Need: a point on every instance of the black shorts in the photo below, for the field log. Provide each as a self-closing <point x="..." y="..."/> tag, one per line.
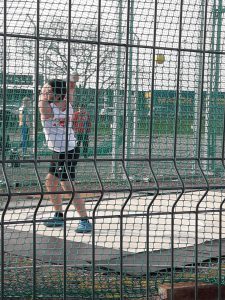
<point x="58" y="169"/>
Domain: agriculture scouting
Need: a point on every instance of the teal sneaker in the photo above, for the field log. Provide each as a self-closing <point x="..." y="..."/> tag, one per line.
<point x="56" y="221"/>
<point x="84" y="226"/>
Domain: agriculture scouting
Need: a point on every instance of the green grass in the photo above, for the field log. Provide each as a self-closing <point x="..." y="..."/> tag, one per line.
<point x="160" y="126"/>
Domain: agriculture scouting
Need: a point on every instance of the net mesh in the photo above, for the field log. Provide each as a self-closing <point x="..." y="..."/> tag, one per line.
<point x="151" y="78"/>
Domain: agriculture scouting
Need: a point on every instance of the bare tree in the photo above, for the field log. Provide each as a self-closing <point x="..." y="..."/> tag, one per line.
<point x="54" y="57"/>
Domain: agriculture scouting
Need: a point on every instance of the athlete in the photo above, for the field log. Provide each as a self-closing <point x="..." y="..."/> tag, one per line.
<point x="53" y="111"/>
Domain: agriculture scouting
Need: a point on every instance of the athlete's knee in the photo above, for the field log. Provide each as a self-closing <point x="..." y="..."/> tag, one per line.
<point x="51" y="182"/>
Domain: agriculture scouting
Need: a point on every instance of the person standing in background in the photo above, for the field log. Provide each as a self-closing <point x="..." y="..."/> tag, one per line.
<point x="82" y="128"/>
<point x="24" y="123"/>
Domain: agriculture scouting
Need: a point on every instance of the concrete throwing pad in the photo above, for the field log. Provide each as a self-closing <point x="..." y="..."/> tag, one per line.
<point x="136" y="264"/>
<point x="107" y="239"/>
<point x="51" y="249"/>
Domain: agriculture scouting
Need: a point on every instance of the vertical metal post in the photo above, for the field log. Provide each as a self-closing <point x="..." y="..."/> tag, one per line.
<point x="129" y="125"/>
<point x="95" y="146"/>
<point x="209" y="96"/>
<point x="198" y="92"/>
<point x="3" y="148"/>
<point x="126" y="82"/>
<point x="199" y="162"/>
<point x="34" y="84"/>
<point x="218" y="46"/>
<point x="214" y="83"/>
<point x="150" y="153"/>
<point x="136" y="100"/>
<point x="34" y="134"/>
<point x="2" y="223"/>
<point x="66" y="152"/>
<point x="221" y="217"/>
<point x="35" y="91"/>
<point x="117" y="99"/>
<point x="175" y="149"/>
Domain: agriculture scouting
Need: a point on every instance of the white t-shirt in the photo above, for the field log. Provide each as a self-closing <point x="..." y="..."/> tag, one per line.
<point x="55" y="130"/>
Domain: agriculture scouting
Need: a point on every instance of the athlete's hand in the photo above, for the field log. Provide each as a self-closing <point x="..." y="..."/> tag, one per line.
<point x="75" y="77"/>
<point x="46" y="93"/>
<point x="72" y="85"/>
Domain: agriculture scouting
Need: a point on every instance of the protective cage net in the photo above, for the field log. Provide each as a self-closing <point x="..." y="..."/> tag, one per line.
<point x="151" y="164"/>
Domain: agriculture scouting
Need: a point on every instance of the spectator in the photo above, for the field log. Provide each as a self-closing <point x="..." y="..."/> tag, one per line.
<point x="24" y="123"/>
<point x="82" y="128"/>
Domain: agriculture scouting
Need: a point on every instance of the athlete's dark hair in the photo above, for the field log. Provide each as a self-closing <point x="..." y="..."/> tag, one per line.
<point x="58" y="87"/>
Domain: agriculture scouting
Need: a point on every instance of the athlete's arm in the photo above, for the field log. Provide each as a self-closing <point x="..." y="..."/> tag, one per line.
<point x="44" y="103"/>
<point x="72" y="86"/>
